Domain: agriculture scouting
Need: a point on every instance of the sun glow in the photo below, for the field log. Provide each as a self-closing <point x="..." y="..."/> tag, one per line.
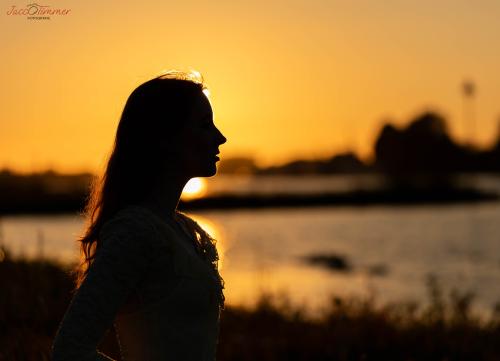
<point x="194" y="188"/>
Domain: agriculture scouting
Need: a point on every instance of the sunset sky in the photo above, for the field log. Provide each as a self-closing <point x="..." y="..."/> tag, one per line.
<point x="288" y="79"/>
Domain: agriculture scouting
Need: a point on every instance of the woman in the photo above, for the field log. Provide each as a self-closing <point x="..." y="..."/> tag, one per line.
<point x="148" y="270"/>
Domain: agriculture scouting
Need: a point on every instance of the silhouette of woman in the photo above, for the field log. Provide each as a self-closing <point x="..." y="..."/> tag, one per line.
<point x="147" y="269"/>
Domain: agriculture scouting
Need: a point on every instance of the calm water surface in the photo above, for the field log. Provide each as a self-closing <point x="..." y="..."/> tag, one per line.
<point x="263" y="250"/>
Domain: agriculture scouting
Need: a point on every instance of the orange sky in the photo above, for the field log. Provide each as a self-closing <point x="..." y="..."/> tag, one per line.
<point x="295" y="78"/>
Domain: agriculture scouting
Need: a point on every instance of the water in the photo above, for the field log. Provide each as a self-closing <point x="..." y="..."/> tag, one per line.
<point x="262" y="250"/>
<point x="458" y="244"/>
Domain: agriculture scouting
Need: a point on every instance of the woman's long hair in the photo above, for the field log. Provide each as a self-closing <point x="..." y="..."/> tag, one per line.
<point x="153" y="114"/>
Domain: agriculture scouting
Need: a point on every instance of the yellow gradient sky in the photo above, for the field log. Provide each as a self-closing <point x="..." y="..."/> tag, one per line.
<point x="295" y="78"/>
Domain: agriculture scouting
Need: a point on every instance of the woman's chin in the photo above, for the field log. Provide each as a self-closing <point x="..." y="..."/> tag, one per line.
<point x="209" y="171"/>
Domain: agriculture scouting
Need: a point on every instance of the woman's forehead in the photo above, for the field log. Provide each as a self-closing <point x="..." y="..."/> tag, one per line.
<point x="201" y="107"/>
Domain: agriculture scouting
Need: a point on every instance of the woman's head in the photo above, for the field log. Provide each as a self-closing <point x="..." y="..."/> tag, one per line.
<point x="165" y="131"/>
<point x="167" y="128"/>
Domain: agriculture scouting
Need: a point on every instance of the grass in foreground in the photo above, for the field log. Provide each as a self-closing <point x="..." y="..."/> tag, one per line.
<point x="35" y="294"/>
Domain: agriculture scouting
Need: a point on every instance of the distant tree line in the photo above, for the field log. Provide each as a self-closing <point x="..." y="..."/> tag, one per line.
<point x="43" y="192"/>
<point x="424" y="146"/>
<point x="420" y="155"/>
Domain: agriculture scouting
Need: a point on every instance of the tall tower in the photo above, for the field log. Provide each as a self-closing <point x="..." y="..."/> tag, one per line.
<point x="469" y="121"/>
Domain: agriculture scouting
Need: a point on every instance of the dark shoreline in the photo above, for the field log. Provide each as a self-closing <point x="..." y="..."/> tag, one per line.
<point x="357" y="198"/>
<point x="71" y="203"/>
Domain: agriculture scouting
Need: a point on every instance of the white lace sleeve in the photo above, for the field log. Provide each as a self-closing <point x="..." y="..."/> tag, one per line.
<point x="126" y="251"/>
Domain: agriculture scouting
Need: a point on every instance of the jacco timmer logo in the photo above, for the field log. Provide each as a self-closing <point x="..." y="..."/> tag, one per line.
<point x="37" y="12"/>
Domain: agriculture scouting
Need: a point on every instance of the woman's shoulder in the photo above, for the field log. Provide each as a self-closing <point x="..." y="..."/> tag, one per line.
<point x="130" y="221"/>
<point x="134" y="211"/>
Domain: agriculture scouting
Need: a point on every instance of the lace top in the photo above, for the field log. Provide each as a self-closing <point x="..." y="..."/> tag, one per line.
<point x="149" y="282"/>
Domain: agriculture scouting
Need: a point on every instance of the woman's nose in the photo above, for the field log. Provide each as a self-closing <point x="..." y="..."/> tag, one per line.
<point x="221" y="138"/>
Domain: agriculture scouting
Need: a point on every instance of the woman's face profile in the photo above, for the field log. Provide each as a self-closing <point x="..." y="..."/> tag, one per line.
<point x="199" y="140"/>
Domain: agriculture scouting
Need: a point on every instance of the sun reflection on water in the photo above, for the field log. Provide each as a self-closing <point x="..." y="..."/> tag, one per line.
<point x="215" y="232"/>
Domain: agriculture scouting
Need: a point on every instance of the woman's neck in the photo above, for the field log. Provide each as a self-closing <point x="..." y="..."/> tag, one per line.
<point x="164" y="198"/>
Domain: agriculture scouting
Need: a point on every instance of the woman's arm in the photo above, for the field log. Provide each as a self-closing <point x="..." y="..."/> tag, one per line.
<point x="123" y="257"/>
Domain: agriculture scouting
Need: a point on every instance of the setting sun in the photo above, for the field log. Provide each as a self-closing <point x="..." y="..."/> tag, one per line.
<point x="196" y="187"/>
